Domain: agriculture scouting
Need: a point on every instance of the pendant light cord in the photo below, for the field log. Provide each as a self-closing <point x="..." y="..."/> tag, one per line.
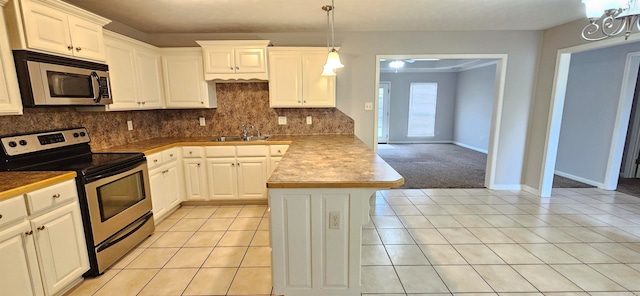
<point x="333" y="24"/>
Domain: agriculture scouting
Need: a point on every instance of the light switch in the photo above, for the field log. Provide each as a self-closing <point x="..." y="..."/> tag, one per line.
<point x="202" y="121"/>
<point x="282" y="120"/>
<point x="309" y="120"/>
<point x="368" y="106"/>
<point x="129" y="125"/>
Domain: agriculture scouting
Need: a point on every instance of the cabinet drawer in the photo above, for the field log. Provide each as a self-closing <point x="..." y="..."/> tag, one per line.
<point x="192" y="152"/>
<point x="221" y="151"/>
<point x="12" y="209"/>
<point x="278" y="150"/>
<point x="50" y="196"/>
<point x="154" y="160"/>
<point x="252" y="150"/>
<point x="169" y="155"/>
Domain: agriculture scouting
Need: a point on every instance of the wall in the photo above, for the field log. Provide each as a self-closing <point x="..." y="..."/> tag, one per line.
<point x="356" y="81"/>
<point x="475" y="93"/>
<point x="399" y="105"/>
<point x="590" y="108"/>
<point x="554" y="39"/>
<point x="238" y="104"/>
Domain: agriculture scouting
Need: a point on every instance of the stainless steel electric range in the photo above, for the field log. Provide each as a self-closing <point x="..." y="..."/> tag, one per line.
<point x="113" y="188"/>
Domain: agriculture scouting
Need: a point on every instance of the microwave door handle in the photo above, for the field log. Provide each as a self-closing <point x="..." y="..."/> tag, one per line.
<point x="95" y="82"/>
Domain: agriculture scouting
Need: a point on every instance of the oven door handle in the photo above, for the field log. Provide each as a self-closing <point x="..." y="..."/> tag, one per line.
<point x="116" y="171"/>
<point x="116" y="239"/>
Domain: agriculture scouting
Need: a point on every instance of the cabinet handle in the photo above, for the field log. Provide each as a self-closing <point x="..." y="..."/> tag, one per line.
<point x="171" y="155"/>
<point x="231" y="68"/>
<point x="0" y="216"/>
<point x="237" y="68"/>
<point x="70" y="47"/>
<point x="78" y="49"/>
<point x="57" y="195"/>
<point x="143" y="102"/>
<point x="30" y="232"/>
<point x="41" y="227"/>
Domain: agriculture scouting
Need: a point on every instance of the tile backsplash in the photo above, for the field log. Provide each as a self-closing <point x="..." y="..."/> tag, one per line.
<point x="238" y="104"/>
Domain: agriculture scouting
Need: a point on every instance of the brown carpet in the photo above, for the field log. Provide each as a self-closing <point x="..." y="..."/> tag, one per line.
<point x="629" y="186"/>
<point x="444" y="166"/>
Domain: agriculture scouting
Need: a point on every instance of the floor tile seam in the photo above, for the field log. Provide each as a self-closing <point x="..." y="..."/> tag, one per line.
<point x="588" y="265"/>
<point x="582" y="262"/>
<point x="148" y="281"/>
<point x="103" y="284"/>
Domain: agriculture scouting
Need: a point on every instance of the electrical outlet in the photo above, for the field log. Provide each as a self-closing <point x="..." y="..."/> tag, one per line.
<point x="129" y="125"/>
<point x="334" y="220"/>
<point x="368" y="106"/>
<point x="202" y="121"/>
<point x="282" y="120"/>
<point x="309" y="120"/>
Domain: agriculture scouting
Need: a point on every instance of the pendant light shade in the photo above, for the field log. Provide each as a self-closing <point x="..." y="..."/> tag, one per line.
<point x="328" y="71"/>
<point x="333" y="60"/>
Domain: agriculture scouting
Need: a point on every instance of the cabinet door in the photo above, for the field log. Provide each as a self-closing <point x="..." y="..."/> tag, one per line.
<point x="252" y="181"/>
<point x="222" y="178"/>
<point x="173" y="186"/>
<point x="87" y="39"/>
<point x="10" y="100"/>
<point x="317" y="90"/>
<point x="285" y="74"/>
<point x="46" y="28"/>
<point x="62" y="251"/>
<point x="149" y="69"/>
<point x="122" y="75"/>
<point x="250" y="60"/>
<point x="195" y="178"/>
<point x="184" y="84"/>
<point x="158" y="192"/>
<point x="19" y="272"/>
<point x="219" y="59"/>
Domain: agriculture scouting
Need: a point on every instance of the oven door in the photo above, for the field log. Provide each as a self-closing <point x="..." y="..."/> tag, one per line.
<point x="118" y="200"/>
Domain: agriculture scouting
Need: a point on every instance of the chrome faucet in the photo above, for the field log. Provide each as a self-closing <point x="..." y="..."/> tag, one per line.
<point x="258" y="133"/>
<point x="245" y="133"/>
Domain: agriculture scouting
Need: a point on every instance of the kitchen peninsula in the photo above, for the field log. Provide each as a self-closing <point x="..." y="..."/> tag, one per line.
<point x="319" y="198"/>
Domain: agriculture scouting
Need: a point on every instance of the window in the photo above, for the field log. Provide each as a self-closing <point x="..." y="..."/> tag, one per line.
<point x="422" y="109"/>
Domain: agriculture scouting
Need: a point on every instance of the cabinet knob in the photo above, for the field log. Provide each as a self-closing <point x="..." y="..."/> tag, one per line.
<point x="198" y="165"/>
<point x="201" y="102"/>
<point x="233" y="164"/>
<point x="238" y="164"/>
<point x="78" y="49"/>
<point x="0" y="216"/>
<point x="299" y="101"/>
<point x="237" y="68"/>
<point x="155" y="160"/>
<point x="279" y="151"/>
<point x="170" y="155"/>
<point x="230" y="68"/>
<point x="57" y="195"/>
<point x="30" y="232"/>
<point x="41" y="228"/>
<point x="190" y="152"/>
<point x="70" y="47"/>
<point x="143" y="102"/>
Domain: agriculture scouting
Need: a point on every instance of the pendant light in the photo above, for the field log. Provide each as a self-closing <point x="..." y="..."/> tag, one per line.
<point x="327" y="70"/>
<point x="333" y="58"/>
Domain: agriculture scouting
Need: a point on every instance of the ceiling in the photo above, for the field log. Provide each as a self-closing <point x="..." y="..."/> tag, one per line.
<point x="419" y="65"/>
<point x="273" y="16"/>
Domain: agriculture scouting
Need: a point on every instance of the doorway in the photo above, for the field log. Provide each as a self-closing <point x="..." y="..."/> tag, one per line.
<point x="614" y="128"/>
<point x="484" y="141"/>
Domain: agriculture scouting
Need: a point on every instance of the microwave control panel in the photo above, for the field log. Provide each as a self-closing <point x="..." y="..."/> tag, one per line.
<point x="23" y="144"/>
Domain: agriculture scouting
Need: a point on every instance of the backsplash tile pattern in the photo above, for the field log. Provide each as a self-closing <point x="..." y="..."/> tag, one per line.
<point x="238" y="104"/>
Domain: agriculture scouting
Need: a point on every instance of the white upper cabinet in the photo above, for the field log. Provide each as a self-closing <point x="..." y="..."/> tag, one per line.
<point x="56" y="27"/>
<point x="295" y="80"/>
<point x="10" y="100"/>
<point x="235" y="59"/>
<point x="184" y="83"/>
<point x="135" y="73"/>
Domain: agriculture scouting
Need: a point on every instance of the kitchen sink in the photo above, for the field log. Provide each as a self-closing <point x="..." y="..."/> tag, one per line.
<point x="239" y="139"/>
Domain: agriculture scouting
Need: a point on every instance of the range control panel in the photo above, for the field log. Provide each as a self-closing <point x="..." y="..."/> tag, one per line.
<point x="22" y="144"/>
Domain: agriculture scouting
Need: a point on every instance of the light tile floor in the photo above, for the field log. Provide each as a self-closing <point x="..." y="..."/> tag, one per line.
<point x="203" y="250"/>
<point x="419" y="242"/>
<point x="483" y="242"/>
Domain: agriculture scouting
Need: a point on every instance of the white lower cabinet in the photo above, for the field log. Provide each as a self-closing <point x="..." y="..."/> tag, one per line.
<point x="237" y="172"/>
<point x="61" y="248"/>
<point x="43" y="249"/>
<point x="195" y="173"/>
<point x="165" y="181"/>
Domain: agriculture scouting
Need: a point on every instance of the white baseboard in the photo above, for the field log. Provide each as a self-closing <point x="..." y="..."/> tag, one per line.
<point x="471" y="147"/>
<point x="580" y="179"/>
<point x="420" y="142"/>
<point x="506" y="187"/>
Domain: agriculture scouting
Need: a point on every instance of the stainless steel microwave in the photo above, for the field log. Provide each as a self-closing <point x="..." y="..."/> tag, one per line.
<point x="47" y="80"/>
